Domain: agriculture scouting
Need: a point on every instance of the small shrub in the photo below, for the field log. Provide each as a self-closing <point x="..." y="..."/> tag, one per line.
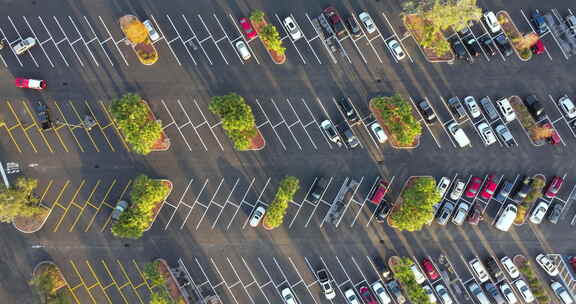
<point x="535" y="193"/>
<point x="257" y="16"/>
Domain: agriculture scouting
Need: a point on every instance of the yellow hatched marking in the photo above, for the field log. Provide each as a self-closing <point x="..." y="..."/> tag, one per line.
<point x="98" y="209"/>
<point x="56" y="201"/>
<point x="142" y="275"/>
<point x="76" y="205"/>
<point x="98" y="280"/>
<point x="109" y="285"/>
<point x="69" y="205"/>
<point x="76" y="287"/>
<point x="28" y="127"/>
<point x="112" y="207"/>
<point x="115" y="126"/>
<point x="68" y="125"/>
<point x="37" y="126"/>
<point x="80" y="120"/>
<point x="92" y="286"/>
<point x="82" y="280"/>
<point x="114" y="280"/>
<point x="20" y="124"/>
<point x="130" y="281"/>
<point x="90" y="204"/>
<point x="84" y="207"/>
<point x="99" y="126"/>
<point x="59" y="205"/>
<point x="13" y="139"/>
<point x="107" y="126"/>
<point x="46" y="190"/>
<point x="13" y="127"/>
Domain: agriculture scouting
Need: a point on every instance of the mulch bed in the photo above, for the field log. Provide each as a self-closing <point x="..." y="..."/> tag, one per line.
<point x="57" y="277"/>
<point x="160" y="203"/>
<point x="276" y="57"/>
<point x="171" y="283"/>
<point x="30" y="224"/>
<point x="430" y="55"/>
<point x="257" y="142"/>
<point x="391" y="136"/>
<point x="162" y="143"/>
<point x="513" y="33"/>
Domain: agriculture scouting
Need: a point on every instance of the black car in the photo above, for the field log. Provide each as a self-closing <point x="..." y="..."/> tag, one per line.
<point x="554" y="215"/>
<point x="539" y="22"/>
<point x="427" y="111"/>
<point x="493" y="269"/>
<point x="394" y="289"/>
<point x="504" y="191"/>
<point x="488" y="45"/>
<point x="43" y="115"/>
<point x="504" y="45"/>
<point x="460" y="50"/>
<point x="494" y="293"/>
<point x="353" y="27"/>
<point x="473" y="47"/>
<point x="317" y="189"/>
<point x="350" y="138"/>
<point x="535" y="107"/>
<point x="523" y="189"/>
<point x="348" y="110"/>
<point x="382" y="211"/>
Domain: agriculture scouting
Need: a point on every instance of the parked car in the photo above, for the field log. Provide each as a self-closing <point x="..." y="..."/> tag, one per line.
<point x="430" y="270"/>
<point x="477" y="292"/>
<point x="120" y="207"/>
<point x="473" y="187"/>
<point x="427" y="111"/>
<point x="418" y="276"/>
<point x="510" y="268"/>
<point x="325" y="284"/>
<point x="504" y="191"/>
<point x="445" y="213"/>
<point x="379" y="191"/>
<point x="458" y="134"/>
<point x="43" y="115"/>
<point x="456" y="108"/>
<point x="504" y="45"/>
<point x="538" y="47"/>
<point x="567" y="106"/>
<point x="493" y="269"/>
<point x="492" y="22"/>
<point x="457" y="190"/>
<point x="152" y="33"/>
<point x="367" y="295"/>
<point x="539" y="23"/>
<point x="368" y="22"/>
<point x="473" y="47"/>
<point x="494" y="293"/>
<point x="247" y="28"/>
<point x="554" y="139"/>
<point x="394" y="288"/>
<point x="479" y="270"/>
<point x="508" y="293"/>
<point x="350" y="138"/>
<point x="443" y="293"/>
<point x="28" y="83"/>
<point x="443" y="185"/>
<point x="24" y="45"/>
<point x="525" y="292"/>
<point x="335" y="22"/>
<point x="571" y="22"/>
<point x="488" y="45"/>
<point x="317" y="189"/>
<point x="292" y="28"/>
<point x="523" y="189"/>
<point x="288" y="296"/>
<point x="379" y="132"/>
<point x="242" y="49"/>
<point x="472" y="106"/>
<point x="348" y="110"/>
<point x="539" y="212"/>
<point x="489" y="108"/>
<point x="351" y="297"/>
<point x="353" y="27"/>
<point x="505" y="136"/>
<point x="396" y="49"/>
<point x="428" y="290"/>
<point x="546" y="263"/>
<point x="555" y="213"/>
<point x="330" y="131"/>
<point x="486" y="134"/>
<point x="475" y="216"/>
<point x="381" y="293"/>
<point x="489" y="188"/>
<point x="506" y="109"/>
<point x="461" y="213"/>
<point x="534" y="107"/>
<point x="506" y="218"/>
<point x="257" y="216"/>
<point x="382" y="211"/>
<point x="561" y="292"/>
<point x="460" y="50"/>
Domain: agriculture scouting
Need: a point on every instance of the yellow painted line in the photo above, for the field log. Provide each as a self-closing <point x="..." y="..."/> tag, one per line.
<point x="59" y="205"/>
<point x="114" y="280"/>
<point x="84" y="207"/>
<point x="107" y="205"/>
<point x="90" y="204"/>
<point x="73" y="295"/>
<point x="98" y="209"/>
<point x="130" y="281"/>
<point x="107" y="126"/>
<point x="56" y="201"/>
<point x="98" y="280"/>
<point x="37" y="126"/>
<point x="112" y="207"/>
<point x="73" y="204"/>
<point x="115" y="126"/>
<point x="28" y="127"/>
<point x="99" y="126"/>
<point x="13" y="139"/>
<point x="69" y="205"/>
<point x="76" y="287"/>
<point x="13" y="127"/>
<point x="142" y="275"/>
<point x="46" y="190"/>
<point x="140" y="285"/>
<point x="68" y="124"/>
<point x="20" y="124"/>
<point x="82" y="280"/>
<point x="55" y="129"/>
<point x="108" y="286"/>
<point x="92" y="286"/>
<point x="80" y="120"/>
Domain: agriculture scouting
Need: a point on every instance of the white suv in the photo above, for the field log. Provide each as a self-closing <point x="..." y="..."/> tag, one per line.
<point x="479" y="270"/>
<point x="24" y="45"/>
<point x="292" y="28"/>
<point x="472" y="106"/>
<point x="506" y="109"/>
<point x="547" y="265"/>
<point x="510" y="267"/>
<point x="567" y="106"/>
<point x="486" y="133"/>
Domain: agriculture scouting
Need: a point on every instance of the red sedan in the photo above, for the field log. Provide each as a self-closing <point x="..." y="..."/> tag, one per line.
<point x="367" y="296"/>
<point x="554" y="187"/>
<point x="489" y="188"/>
<point x="430" y="270"/>
<point x="26" y="83"/>
<point x="247" y="28"/>
<point x="473" y="187"/>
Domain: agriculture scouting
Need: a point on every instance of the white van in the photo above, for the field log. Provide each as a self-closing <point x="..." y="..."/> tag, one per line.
<point x="506" y="218"/>
<point x="458" y="134"/>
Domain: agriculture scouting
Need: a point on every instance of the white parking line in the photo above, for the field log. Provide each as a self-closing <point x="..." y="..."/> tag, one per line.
<point x="167" y="42"/>
<point x="374" y="185"/>
<point x="179" y="37"/>
<point x="194" y="204"/>
<point x="243" y="201"/>
<point x="229" y="287"/>
<point x="211" y="127"/>
<point x="197" y="40"/>
<point x="179" y="128"/>
<point x="304" y="126"/>
<point x="100" y="42"/>
<point x="228" y="38"/>
<point x="290" y="37"/>
<point x="288" y="126"/>
<point x="400" y="40"/>
<point x="422" y="120"/>
<point x="40" y="43"/>
<point x="273" y="127"/>
<point x="276" y="286"/>
<point x="534" y="31"/>
<point x="193" y="126"/>
<point x="564" y="118"/>
<point x="260" y="286"/>
<point x="105" y="40"/>
<point x="83" y="41"/>
<point x="383" y="200"/>
<point x="244" y="286"/>
<point x="67" y="40"/>
<point x="556" y="38"/>
<point x="321" y="40"/>
<point x="210" y="203"/>
<point x="179" y="203"/>
<point x="212" y="38"/>
<point x="258" y="201"/>
<point x="244" y="38"/>
<point x="349" y="201"/>
<point x="307" y="40"/>
<point x="318" y="202"/>
<point x="226" y="202"/>
<point x="212" y="286"/>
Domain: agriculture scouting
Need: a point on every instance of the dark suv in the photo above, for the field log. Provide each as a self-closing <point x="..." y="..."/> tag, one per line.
<point x="523" y="189"/>
<point x="348" y="110"/>
<point x="427" y="111"/>
<point x="318" y="189"/>
<point x="382" y="211"/>
<point x="43" y="115"/>
<point x="534" y="107"/>
<point x="504" y="191"/>
<point x="493" y="269"/>
<point x="457" y="108"/>
<point x="460" y="50"/>
<point x="504" y="45"/>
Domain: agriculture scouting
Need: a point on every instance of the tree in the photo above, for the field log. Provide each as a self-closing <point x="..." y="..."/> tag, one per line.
<point x="237" y="118"/>
<point x="398" y="118"/>
<point x="133" y="118"/>
<point x="152" y="274"/>
<point x="541" y="132"/>
<point x="271" y="38"/>
<point x="19" y="200"/>
<point x="48" y="285"/>
<point x="416" y="208"/>
<point x="257" y="16"/>
<point x="145" y="195"/>
<point x="403" y="273"/>
<point x="135" y="31"/>
<point x="535" y="192"/>
<point x="277" y="210"/>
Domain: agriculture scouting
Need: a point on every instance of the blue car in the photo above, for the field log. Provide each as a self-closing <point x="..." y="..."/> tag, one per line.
<point x="539" y="22"/>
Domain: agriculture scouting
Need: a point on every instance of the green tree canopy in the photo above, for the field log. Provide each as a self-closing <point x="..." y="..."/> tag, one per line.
<point x="416" y="208"/>
<point x="237" y="118"/>
<point x="133" y="118"/>
<point x="19" y="200"/>
<point x="398" y="118"/>
<point x="257" y="16"/>
<point x="48" y="285"/>
<point x="161" y="297"/>
<point x="271" y="38"/>
<point x="277" y="209"/>
<point x="414" y="291"/>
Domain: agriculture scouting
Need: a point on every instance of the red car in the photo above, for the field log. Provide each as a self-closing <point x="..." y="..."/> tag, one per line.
<point x="573" y="263"/>
<point x="554" y="187"/>
<point x="26" y="83"/>
<point x="554" y="139"/>
<point x="247" y="28"/>
<point x="489" y="188"/>
<point x="473" y="187"/>
<point x="379" y="192"/>
<point x="430" y="270"/>
<point x="538" y="48"/>
<point x="367" y="296"/>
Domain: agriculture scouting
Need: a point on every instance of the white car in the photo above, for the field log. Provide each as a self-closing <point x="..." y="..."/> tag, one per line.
<point x="443" y="185"/>
<point x="547" y="264"/>
<point x="458" y="190"/>
<point x="461" y="213"/>
<point x="381" y="293"/>
<point x="561" y="293"/>
<point x="479" y="270"/>
<point x="486" y="133"/>
<point x="152" y="33"/>
<point x="330" y="132"/>
<point x="492" y="22"/>
<point x="508" y="293"/>
<point x="459" y="135"/>
<point x="379" y="132"/>
<point x="292" y="28"/>
<point x="539" y="212"/>
<point x="567" y="106"/>
<point x="506" y="109"/>
<point x="472" y="106"/>
<point x="430" y="293"/>
<point x="418" y="275"/>
<point x="24" y="45"/>
<point x="257" y="216"/>
<point x="288" y="296"/>
<point x="511" y="269"/>
<point x="368" y="22"/>
<point x="396" y="49"/>
<point x="351" y="297"/>
<point x="242" y="49"/>
<point x="443" y="293"/>
<point x="524" y="291"/>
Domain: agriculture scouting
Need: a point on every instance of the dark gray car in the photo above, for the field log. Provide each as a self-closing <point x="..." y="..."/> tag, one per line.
<point x="504" y="191"/>
<point x="351" y="140"/>
<point x="457" y="108"/>
<point x="489" y="108"/>
<point x="445" y="213"/>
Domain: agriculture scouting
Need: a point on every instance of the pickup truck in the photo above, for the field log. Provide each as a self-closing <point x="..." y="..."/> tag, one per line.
<point x="43" y="115"/>
<point x="336" y="22"/>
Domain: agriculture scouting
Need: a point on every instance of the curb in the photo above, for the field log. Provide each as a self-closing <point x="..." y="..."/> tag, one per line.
<point x="529" y="211"/>
<point x="165" y="135"/>
<point x="37" y="229"/>
<point x="503" y="12"/>
<point x="265" y="22"/>
<point x="49" y="262"/>
<point x="263" y="138"/>
<point x="163" y="261"/>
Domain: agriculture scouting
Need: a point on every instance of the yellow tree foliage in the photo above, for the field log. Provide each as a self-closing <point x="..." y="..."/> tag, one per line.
<point x="136" y="32"/>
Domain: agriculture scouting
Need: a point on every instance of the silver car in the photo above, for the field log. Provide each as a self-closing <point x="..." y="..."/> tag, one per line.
<point x="458" y="190"/>
<point x="24" y="45"/>
<point x="472" y="106"/>
<point x="396" y="49"/>
<point x="486" y="133"/>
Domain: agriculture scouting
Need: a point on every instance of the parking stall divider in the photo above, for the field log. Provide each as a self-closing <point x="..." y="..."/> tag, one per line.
<point x="40" y="43"/>
<point x="270" y="123"/>
<point x="308" y="40"/>
<point x="19" y="123"/>
<point x="302" y="280"/>
<point x="71" y="44"/>
<point x="100" y="206"/>
<point x="100" y="43"/>
<point x="242" y="201"/>
<point x="210" y="203"/>
<point x="112" y="206"/>
<point x="321" y="200"/>
<point x="239" y="281"/>
<point x="226" y="202"/>
<point x="194" y="204"/>
<point x="290" y="38"/>
<point x="180" y="201"/>
<point x="69" y="126"/>
<point x="241" y="36"/>
<point x="304" y="126"/>
<point x="70" y="204"/>
<point x="54" y="42"/>
<point x="100" y="127"/>
<point x="88" y="200"/>
<point x="288" y="126"/>
<point x="290" y="285"/>
<point x="321" y="40"/>
<point x="167" y="42"/>
<point x="213" y="40"/>
<point x="563" y="118"/>
<point x="197" y="39"/>
<point x="179" y="37"/>
<point x="195" y="128"/>
<point x="113" y="40"/>
<point x="258" y="201"/>
<point x="173" y="122"/>
<point x="349" y="201"/>
<point x="80" y="126"/>
<point x="11" y="48"/>
<point x="83" y="283"/>
<point x="40" y="131"/>
<point x="276" y="286"/>
<point x="118" y="286"/>
<point x="422" y="120"/>
<point x="114" y="124"/>
<point x="21" y="39"/>
<point x="228" y="38"/>
<point x="84" y="41"/>
<point x="338" y="285"/>
<point x="211" y="127"/>
<point x="305" y="199"/>
<point x="374" y="185"/>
